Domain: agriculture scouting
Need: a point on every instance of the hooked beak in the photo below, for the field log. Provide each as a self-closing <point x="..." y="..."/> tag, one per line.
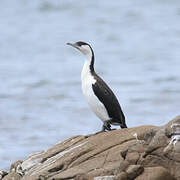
<point x="73" y="45"/>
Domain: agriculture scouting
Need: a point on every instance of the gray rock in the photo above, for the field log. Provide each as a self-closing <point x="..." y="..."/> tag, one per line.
<point x="13" y="176"/>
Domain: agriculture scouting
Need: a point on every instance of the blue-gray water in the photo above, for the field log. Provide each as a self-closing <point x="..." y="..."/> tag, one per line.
<point x="137" y="49"/>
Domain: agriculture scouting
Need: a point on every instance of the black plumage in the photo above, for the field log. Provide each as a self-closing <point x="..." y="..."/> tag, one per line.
<point x="107" y="97"/>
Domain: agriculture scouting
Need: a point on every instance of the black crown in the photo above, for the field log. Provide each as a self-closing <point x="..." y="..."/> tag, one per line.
<point x="80" y="43"/>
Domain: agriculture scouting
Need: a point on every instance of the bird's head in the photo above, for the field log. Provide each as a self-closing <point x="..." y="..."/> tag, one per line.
<point x="83" y="47"/>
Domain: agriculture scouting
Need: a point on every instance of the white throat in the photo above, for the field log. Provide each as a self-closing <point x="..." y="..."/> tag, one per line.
<point x="86" y="70"/>
<point x="86" y="50"/>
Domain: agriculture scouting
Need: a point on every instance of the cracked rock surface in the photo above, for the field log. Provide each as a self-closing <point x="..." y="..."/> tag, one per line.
<point x="145" y="152"/>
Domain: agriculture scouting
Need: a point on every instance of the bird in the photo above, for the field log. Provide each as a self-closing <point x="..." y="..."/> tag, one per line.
<point x="99" y="96"/>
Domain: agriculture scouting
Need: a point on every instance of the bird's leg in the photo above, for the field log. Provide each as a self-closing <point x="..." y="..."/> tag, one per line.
<point x="122" y="125"/>
<point x="106" y="126"/>
<point x="110" y="122"/>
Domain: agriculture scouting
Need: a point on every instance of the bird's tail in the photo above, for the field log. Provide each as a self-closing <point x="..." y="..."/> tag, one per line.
<point x="123" y="125"/>
<point x="123" y="120"/>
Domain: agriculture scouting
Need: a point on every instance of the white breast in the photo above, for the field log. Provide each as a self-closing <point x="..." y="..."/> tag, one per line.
<point x="87" y="80"/>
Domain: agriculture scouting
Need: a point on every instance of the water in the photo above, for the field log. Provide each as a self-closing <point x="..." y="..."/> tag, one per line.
<point x="137" y="49"/>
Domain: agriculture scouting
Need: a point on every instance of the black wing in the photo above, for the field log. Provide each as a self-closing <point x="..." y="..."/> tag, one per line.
<point x="107" y="97"/>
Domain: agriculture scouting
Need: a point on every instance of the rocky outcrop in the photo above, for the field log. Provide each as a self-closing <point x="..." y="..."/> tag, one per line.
<point x="140" y="153"/>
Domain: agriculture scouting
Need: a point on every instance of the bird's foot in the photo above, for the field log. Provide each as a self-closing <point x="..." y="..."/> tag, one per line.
<point x="113" y="129"/>
<point x="106" y="126"/>
<point x="104" y="130"/>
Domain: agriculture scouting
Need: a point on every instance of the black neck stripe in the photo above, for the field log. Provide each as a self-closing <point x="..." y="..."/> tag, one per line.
<point x="92" y="61"/>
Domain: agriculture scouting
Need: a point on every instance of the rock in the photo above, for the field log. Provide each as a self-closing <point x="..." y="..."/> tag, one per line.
<point x="12" y="176"/>
<point x="16" y="167"/>
<point x="133" y="157"/>
<point x="120" y="155"/>
<point x="121" y="176"/>
<point x="83" y="177"/>
<point x="97" y="155"/>
<point x="104" y="178"/>
<point x="134" y="170"/>
<point x="3" y="174"/>
<point x="155" y="173"/>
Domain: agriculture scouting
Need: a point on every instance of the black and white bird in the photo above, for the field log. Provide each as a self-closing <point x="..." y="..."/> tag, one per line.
<point x="99" y="96"/>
